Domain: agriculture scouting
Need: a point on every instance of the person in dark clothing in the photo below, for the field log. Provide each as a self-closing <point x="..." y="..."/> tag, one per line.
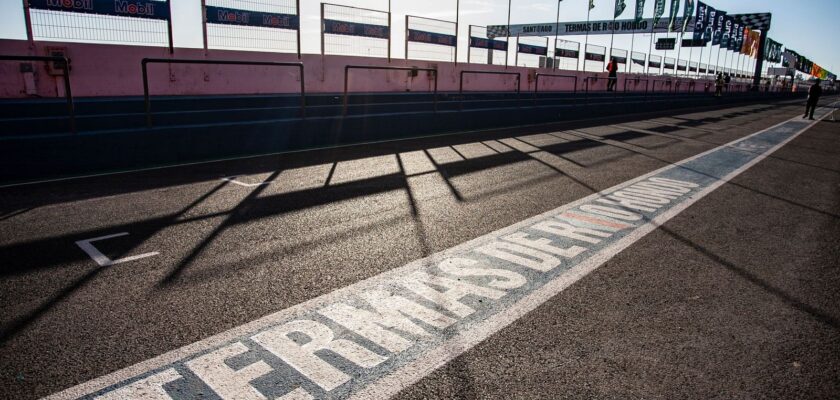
<point x="813" y="98"/>
<point x="612" y="68"/>
<point x="726" y="79"/>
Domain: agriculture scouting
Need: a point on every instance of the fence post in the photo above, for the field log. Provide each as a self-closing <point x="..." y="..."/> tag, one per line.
<point x="169" y="26"/>
<point x="297" y="8"/>
<point x="28" y="20"/>
<point x="203" y="24"/>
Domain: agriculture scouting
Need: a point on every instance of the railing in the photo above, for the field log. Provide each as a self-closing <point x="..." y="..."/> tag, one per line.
<point x="537" y="82"/>
<point x="461" y="83"/>
<point x="59" y="62"/>
<point x="347" y="69"/>
<point x="586" y="80"/>
<point x="692" y="85"/>
<point x="637" y="80"/>
<point x="665" y="82"/>
<point x="148" y="104"/>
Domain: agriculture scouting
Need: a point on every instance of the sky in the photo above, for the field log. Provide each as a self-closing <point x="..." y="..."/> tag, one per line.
<point x="806" y="26"/>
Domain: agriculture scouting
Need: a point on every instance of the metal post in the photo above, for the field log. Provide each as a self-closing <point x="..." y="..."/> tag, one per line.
<point x="457" y="8"/>
<point x="390" y="31"/>
<point x="650" y="47"/>
<point x="469" y="45"/>
<point x="65" y="66"/>
<point x="586" y="39"/>
<point x="169" y="26"/>
<point x="406" y="37"/>
<point x="556" y="32"/>
<point x="147" y="105"/>
<point x="28" y="20"/>
<point x="516" y="56"/>
<point x="297" y="8"/>
<point x="204" y="24"/>
<point x="322" y="31"/>
<point x="507" y="52"/>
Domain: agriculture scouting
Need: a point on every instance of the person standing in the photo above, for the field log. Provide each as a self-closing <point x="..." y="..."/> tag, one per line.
<point x="719" y="85"/>
<point x="726" y="80"/>
<point x="814" y="94"/>
<point x="612" y="69"/>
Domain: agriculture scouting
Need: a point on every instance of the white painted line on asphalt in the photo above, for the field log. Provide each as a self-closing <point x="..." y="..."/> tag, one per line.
<point x="232" y="179"/>
<point x="103" y="260"/>
<point x="380" y="335"/>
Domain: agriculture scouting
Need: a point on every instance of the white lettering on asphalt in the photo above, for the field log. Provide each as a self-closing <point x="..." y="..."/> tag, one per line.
<point x="150" y="388"/>
<point x="450" y="297"/>
<point x="212" y="368"/>
<point x="393" y="322"/>
<point x="302" y="357"/>
<point x="392" y="312"/>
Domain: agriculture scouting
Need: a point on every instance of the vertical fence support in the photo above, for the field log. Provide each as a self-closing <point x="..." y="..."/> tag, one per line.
<point x="390" y="32"/>
<point x="28" y="20"/>
<point x="322" y="31"/>
<point x="297" y="9"/>
<point x="457" y="8"/>
<point x="169" y="26"/>
<point x="204" y="24"/>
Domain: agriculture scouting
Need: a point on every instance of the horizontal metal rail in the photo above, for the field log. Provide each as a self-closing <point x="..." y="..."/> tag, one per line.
<point x="691" y="85"/>
<point x="64" y="64"/>
<point x="478" y="72"/>
<point x="347" y="69"/>
<point x="637" y="80"/>
<point x="148" y="104"/>
<point x="665" y="82"/>
<point x="559" y="76"/>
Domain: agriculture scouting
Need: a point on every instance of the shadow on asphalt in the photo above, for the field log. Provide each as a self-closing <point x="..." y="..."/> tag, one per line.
<point x="50" y="252"/>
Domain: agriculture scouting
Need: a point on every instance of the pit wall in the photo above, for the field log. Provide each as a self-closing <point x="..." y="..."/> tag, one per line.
<point x="114" y="70"/>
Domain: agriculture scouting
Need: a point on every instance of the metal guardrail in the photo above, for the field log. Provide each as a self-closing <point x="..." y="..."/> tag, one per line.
<point x="64" y="64"/>
<point x="637" y="80"/>
<point x="347" y="69"/>
<point x="665" y="82"/>
<point x="692" y="85"/>
<point x="461" y="83"/>
<point x="559" y="76"/>
<point x="144" y="63"/>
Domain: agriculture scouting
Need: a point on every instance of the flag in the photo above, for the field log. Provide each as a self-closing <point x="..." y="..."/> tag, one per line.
<point x="687" y="12"/>
<point x="755" y="40"/>
<point x="619" y="7"/>
<point x="591" y="4"/>
<point x="658" y="11"/>
<point x="700" y="21"/>
<point x="723" y="35"/>
<point x="675" y="8"/>
<point x="747" y="43"/>
<point x="640" y="10"/>
<point x="720" y="18"/>
<point x="734" y="43"/>
<point x="737" y="39"/>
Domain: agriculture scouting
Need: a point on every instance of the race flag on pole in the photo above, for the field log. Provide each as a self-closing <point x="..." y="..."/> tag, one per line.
<point x="591" y="4"/>
<point x="719" y="27"/>
<point x="658" y="11"/>
<point x="730" y="33"/>
<point x="619" y="7"/>
<point x="701" y="22"/>
<point x="640" y="10"/>
<point x="687" y="12"/>
<point x="672" y="21"/>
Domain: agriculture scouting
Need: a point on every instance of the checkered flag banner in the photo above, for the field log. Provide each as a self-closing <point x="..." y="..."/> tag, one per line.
<point x="757" y="21"/>
<point x="497" y="31"/>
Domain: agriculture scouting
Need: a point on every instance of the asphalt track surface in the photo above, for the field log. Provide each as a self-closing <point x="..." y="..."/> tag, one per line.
<point x="734" y="297"/>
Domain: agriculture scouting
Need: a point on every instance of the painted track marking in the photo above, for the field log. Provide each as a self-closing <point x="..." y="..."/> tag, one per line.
<point x="382" y="334"/>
